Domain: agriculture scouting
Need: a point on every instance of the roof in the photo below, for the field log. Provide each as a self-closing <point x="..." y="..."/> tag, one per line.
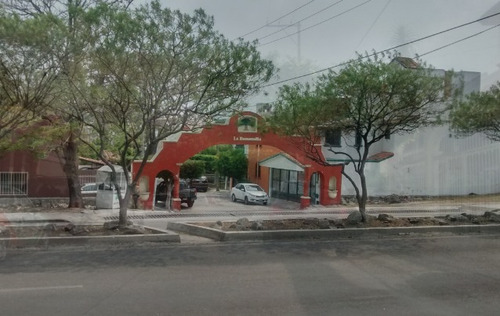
<point x="94" y="161"/>
<point x="406" y="62"/>
<point x="378" y="157"/>
<point x="108" y="169"/>
<point x="383" y="155"/>
<point x="282" y="161"/>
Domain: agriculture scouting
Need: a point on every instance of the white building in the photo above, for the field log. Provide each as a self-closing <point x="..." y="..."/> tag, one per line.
<point x="432" y="161"/>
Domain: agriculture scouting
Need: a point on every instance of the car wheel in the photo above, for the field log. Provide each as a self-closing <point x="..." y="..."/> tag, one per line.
<point x="265" y="203"/>
<point x="233" y="198"/>
<point x="246" y="200"/>
<point x="190" y="203"/>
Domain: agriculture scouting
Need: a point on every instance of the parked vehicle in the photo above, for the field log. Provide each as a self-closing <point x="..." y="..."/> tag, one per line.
<point x="249" y="193"/>
<point x="186" y="194"/>
<point x="201" y="185"/>
<point x="89" y="189"/>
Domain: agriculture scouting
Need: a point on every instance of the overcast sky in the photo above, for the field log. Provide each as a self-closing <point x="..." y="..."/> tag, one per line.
<point x="332" y="31"/>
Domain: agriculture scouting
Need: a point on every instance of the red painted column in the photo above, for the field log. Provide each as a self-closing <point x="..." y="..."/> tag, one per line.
<point x="327" y="197"/>
<point x="324" y="192"/>
<point x="148" y="204"/>
<point x="305" y="199"/>
<point x="176" y="201"/>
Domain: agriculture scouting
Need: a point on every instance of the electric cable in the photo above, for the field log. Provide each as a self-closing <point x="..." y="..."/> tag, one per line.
<point x="397" y="46"/>
<point x="458" y="41"/>
<point x="314" y="25"/>
<point x="374" y="22"/>
<point x="277" y="19"/>
<point x="301" y="20"/>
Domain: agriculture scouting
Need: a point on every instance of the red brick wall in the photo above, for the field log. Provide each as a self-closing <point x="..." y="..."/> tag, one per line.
<point x="257" y="153"/>
<point x="45" y="175"/>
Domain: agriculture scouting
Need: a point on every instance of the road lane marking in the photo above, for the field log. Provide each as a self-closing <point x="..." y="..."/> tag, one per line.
<point x="42" y="288"/>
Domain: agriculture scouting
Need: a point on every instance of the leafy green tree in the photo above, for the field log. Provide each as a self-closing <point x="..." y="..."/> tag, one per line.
<point x="210" y="151"/>
<point x="208" y="161"/>
<point x="368" y="100"/>
<point x="192" y="169"/>
<point x="27" y="76"/>
<point x="67" y="17"/>
<point x="233" y="163"/>
<point x="478" y="113"/>
<point x="151" y="73"/>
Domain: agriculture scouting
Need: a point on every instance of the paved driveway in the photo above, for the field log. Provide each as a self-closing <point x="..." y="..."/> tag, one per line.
<point x="221" y="201"/>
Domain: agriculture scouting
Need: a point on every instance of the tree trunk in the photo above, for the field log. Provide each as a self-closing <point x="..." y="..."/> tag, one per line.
<point x="70" y="168"/>
<point x="363" y="198"/>
<point x="124" y="203"/>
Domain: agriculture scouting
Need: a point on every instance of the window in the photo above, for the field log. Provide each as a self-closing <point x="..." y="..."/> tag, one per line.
<point x="13" y="183"/>
<point x="257" y="170"/>
<point x="332" y="187"/>
<point x="332" y="137"/>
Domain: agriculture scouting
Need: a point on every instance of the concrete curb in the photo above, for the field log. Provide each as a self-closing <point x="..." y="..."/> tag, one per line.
<point x="89" y="241"/>
<point x="342" y="233"/>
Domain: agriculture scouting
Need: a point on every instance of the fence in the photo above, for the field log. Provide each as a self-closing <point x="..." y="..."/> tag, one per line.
<point x="87" y="176"/>
<point x="13" y="183"/>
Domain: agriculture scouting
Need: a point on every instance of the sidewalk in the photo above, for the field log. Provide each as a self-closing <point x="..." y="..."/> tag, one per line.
<point x="98" y="217"/>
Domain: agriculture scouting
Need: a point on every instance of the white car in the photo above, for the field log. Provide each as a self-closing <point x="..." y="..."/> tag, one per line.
<point x="249" y="193"/>
<point x="89" y="189"/>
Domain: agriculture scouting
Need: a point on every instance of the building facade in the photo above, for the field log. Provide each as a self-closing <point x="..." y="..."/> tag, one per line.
<point x="432" y="161"/>
<point x="22" y="174"/>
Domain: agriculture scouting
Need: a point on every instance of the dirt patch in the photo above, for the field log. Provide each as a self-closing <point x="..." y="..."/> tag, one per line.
<point x="59" y="208"/>
<point x="383" y="220"/>
<point x="68" y="230"/>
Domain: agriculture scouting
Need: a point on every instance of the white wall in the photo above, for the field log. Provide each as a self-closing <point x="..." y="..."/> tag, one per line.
<point x="432" y="161"/>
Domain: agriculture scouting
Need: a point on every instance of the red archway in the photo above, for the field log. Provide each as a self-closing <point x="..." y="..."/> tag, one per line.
<point x="241" y="129"/>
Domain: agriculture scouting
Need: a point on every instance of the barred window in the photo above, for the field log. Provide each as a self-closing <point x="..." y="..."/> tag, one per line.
<point x="333" y="137"/>
<point x="13" y="183"/>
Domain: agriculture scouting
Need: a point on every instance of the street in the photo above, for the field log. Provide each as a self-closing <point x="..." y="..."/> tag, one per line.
<point x="410" y="276"/>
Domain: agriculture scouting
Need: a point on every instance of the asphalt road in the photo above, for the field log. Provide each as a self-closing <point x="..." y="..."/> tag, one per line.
<point x="408" y="276"/>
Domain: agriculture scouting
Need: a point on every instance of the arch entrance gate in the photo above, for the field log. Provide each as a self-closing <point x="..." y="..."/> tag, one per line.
<point x="240" y="129"/>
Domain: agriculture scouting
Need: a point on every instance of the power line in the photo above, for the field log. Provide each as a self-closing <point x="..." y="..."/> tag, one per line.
<point x="398" y="46"/>
<point x="314" y="25"/>
<point x="277" y="19"/>
<point x="307" y="17"/>
<point x="460" y="40"/>
<point x="374" y="22"/>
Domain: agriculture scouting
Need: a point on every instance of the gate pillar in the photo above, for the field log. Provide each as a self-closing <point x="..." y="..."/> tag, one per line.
<point x="176" y="201"/>
<point x="305" y="199"/>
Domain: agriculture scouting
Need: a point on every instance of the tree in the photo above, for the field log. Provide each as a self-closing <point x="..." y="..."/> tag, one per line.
<point x="27" y="76"/>
<point x="367" y="101"/>
<point x="233" y="163"/>
<point x="208" y="161"/>
<point x="192" y="169"/>
<point x="150" y="73"/>
<point x="478" y="113"/>
<point x="67" y="14"/>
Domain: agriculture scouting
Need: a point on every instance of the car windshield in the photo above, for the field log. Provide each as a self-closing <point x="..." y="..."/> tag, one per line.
<point x="253" y="188"/>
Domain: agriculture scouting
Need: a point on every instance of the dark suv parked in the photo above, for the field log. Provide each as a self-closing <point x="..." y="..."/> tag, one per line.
<point x="201" y="185"/>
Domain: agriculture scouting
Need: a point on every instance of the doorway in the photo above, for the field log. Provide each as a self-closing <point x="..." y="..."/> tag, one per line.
<point x="314" y="189"/>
